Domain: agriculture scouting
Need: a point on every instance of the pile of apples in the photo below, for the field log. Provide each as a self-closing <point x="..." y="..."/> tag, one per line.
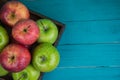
<point x="17" y="54"/>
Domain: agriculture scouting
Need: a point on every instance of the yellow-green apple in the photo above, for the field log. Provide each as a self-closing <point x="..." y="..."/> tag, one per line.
<point x="45" y="57"/>
<point x="13" y="11"/>
<point x="48" y="31"/>
<point x="15" y="57"/>
<point x="29" y="73"/>
<point x="3" y="72"/>
<point x="4" y="38"/>
<point x="26" y="32"/>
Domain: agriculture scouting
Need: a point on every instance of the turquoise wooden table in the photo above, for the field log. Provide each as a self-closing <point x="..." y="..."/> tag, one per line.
<point x="90" y="45"/>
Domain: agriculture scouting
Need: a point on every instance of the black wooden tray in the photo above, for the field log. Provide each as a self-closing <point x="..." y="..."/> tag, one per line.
<point x="35" y="16"/>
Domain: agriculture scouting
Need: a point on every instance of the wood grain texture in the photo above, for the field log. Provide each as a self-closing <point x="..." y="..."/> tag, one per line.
<point x="91" y="32"/>
<point x="84" y="74"/>
<point x="90" y="45"/>
<point x="98" y="23"/>
<point x="77" y="10"/>
<point x="89" y="55"/>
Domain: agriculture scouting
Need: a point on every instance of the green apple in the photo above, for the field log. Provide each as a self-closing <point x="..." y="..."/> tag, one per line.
<point x="3" y="72"/>
<point x="4" y="38"/>
<point x="29" y="73"/>
<point x="48" y="31"/>
<point x="45" y="57"/>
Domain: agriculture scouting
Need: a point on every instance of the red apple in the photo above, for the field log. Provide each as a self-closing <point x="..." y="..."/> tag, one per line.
<point x="15" y="57"/>
<point x="13" y="11"/>
<point x="26" y="32"/>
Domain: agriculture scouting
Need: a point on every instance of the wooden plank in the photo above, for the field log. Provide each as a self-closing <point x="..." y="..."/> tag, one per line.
<point x="91" y="32"/>
<point x="76" y="10"/>
<point x="83" y="74"/>
<point x="89" y="55"/>
<point x="104" y="29"/>
<point x="89" y="47"/>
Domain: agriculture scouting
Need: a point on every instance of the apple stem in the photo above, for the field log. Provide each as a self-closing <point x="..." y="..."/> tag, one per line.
<point x="43" y="58"/>
<point x="44" y="26"/>
<point x="25" y="30"/>
<point x="13" y="15"/>
<point x="22" y="76"/>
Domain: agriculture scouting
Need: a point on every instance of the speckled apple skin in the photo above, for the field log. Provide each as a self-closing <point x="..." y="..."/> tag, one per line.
<point x="12" y="12"/>
<point x="21" y="60"/>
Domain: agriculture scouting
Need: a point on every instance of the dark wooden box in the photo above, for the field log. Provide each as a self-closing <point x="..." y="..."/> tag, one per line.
<point x="35" y="16"/>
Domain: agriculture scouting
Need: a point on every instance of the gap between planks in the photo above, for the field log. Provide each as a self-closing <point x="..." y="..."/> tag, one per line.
<point x="115" y="42"/>
<point x="112" y="66"/>
<point x="92" y="20"/>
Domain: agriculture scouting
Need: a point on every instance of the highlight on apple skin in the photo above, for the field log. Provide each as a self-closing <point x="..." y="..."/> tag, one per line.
<point x="26" y="32"/>
<point x="29" y="73"/>
<point x="12" y="12"/>
<point x="15" y="57"/>
<point x="48" y="31"/>
<point x="45" y="57"/>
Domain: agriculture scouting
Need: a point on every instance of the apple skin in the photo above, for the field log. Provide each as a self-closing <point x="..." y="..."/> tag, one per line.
<point x="26" y="32"/>
<point x="45" y="57"/>
<point x="48" y="31"/>
<point x="3" y="72"/>
<point x="12" y="12"/>
<point x="29" y="73"/>
<point x="15" y="57"/>
<point x="4" y="38"/>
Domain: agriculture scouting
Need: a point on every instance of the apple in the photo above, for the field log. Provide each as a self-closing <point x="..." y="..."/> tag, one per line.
<point x="4" y="38"/>
<point x="15" y="57"/>
<point x="26" y="32"/>
<point x="3" y="72"/>
<point x="12" y="12"/>
<point x="45" y="57"/>
<point x="29" y="73"/>
<point x="48" y="31"/>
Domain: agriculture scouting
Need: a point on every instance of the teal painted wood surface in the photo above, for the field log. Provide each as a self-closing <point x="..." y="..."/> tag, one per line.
<point x="77" y="10"/>
<point x="90" y="45"/>
<point x="91" y="32"/>
<point x="83" y="74"/>
<point x="89" y="55"/>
